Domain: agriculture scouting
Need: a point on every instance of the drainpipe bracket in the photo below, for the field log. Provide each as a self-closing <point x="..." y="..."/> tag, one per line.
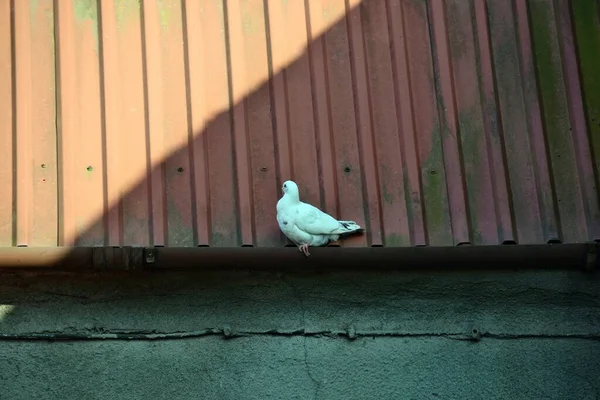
<point x="149" y="255"/>
<point x="591" y="257"/>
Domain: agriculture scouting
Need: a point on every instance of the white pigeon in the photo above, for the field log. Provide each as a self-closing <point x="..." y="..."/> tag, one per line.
<point x="306" y="225"/>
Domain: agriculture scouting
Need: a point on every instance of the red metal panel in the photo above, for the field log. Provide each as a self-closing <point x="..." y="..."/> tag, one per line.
<point x="174" y="123"/>
<point x="468" y="124"/>
<point x="80" y="139"/>
<point x="36" y="135"/>
<point x="398" y="28"/>
<point x="496" y="150"/>
<point x="7" y="120"/>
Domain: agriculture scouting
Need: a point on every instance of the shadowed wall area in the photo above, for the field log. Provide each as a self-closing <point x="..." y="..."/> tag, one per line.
<point x="173" y="123"/>
<point x="259" y="335"/>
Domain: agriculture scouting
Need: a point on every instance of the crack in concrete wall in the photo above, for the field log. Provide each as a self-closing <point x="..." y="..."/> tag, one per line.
<point x="557" y="303"/>
<point x="101" y="334"/>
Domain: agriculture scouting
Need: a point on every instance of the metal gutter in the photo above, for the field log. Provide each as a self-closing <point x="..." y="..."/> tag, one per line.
<point x="569" y="256"/>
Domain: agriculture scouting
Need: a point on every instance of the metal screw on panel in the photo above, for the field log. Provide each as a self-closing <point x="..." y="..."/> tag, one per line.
<point x="43" y="165"/>
<point x="180" y="169"/>
<point x="227" y="331"/>
<point x="351" y="332"/>
<point x="89" y="168"/>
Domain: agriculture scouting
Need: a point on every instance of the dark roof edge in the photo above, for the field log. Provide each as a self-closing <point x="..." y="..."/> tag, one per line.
<point x="507" y="257"/>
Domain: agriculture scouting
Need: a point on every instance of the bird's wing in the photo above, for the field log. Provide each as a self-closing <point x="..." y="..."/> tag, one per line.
<point x="314" y="221"/>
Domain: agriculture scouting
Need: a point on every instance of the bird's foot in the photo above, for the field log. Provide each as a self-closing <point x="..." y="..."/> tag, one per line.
<point x="304" y="249"/>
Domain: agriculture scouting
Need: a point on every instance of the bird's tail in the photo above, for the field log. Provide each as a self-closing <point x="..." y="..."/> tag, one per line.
<point x="347" y="227"/>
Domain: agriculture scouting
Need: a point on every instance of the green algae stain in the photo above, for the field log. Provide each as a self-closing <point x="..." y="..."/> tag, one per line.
<point x="86" y="11"/>
<point x="46" y="7"/>
<point x="435" y="195"/>
<point x="224" y="233"/>
<point x="125" y="9"/>
<point x="586" y="16"/>
<point x="395" y="240"/>
<point x="478" y="238"/>
<point x="408" y="198"/>
<point x="555" y="114"/>
<point x="437" y="213"/>
<point x="180" y="232"/>
<point x="548" y="69"/>
<point x="219" y="239"/>
<point x="249" y="24"/>
<point x="388" y="197"/>
<point x="33" y="9"/>
<point x="456" y="32"/>
<point x="165" y="10"/>
<point x="471" y="135"/>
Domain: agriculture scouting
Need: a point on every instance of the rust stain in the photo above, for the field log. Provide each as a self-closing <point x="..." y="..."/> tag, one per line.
<point x="174" y="123"/>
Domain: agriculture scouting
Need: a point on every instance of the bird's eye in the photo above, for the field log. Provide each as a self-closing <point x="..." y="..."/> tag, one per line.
<point x="284" y="185"/>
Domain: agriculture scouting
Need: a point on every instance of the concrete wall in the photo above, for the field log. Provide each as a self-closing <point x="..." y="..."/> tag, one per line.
<point x="262" y="335"/>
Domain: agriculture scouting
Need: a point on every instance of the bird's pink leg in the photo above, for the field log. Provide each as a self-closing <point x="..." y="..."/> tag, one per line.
<point x="304" y="249"/>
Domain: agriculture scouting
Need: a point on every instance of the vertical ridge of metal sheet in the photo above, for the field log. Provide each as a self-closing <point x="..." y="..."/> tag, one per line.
<point x="449" y="129"/>
<point x="177" y="195"/>
<point x="364" y="123"/>
<point x="493" y="128"/>
<point x="427" y="124"/>
<point x="67" y="111"/>
<point x="542" y="168"/>
<point x="511" y="104"/>
<point x="238" y="83"/>
<point x="319" y="81"/>
<point x="411" y="176"/>
<point x="277" y="27"/>
<point x="22" y="65"/>
<point x="553" y="101"/>
<point x="298" y="102"/>
<point x="178" y="192"/>
<point x="586" y="21"/>
<point x="339" y="72"/>
<point x="586" y="27"/>
<point x="110" y="92"/>
<point x="7" y="125"/>
<point x="80" y="167"/>
<point x="133" y="149"/>
<point x="89" y="169"/>
<point x="466" y="74"/>
<point x="44" y="196"/>
<point x="37" y="216"/>
<point x="259" y="125"/>
<point x="197" y="118"/>
<point x="167" y="124"/>
<point x="218" y="130"/>
<point x="582" y="152"/>
<point x="389" y="160"/>
<point x="276" y="47"/>
<point x="154" y="115"/>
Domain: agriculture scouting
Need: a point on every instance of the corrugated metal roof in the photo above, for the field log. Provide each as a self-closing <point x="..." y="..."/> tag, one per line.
<point x="174" y="122"/>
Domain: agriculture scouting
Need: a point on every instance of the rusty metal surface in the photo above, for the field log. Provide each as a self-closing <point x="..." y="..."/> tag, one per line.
<point x="174" y="122"/>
